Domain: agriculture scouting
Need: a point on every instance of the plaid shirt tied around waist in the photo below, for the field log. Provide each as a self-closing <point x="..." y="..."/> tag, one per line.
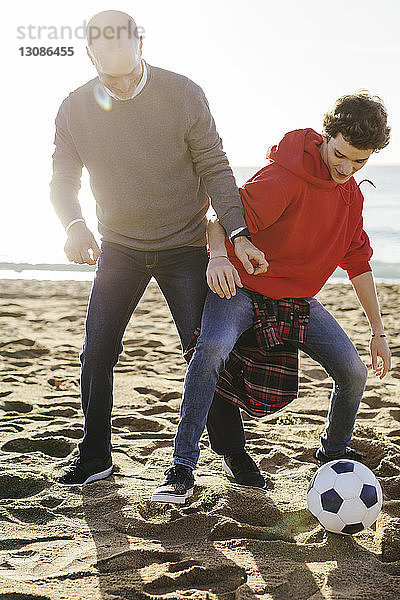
<point x="261" y="374"/>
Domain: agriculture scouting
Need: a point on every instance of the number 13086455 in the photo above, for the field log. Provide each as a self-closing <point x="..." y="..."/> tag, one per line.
<point x="46" y="51"/>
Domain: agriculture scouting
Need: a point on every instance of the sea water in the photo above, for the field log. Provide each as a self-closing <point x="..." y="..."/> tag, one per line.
<point x="381" y="221"/>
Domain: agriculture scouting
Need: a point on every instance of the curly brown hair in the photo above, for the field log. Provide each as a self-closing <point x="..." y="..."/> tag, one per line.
<point x="361" y="119"/>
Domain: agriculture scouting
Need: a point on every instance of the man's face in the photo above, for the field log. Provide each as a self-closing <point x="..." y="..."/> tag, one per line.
<point x="122" y="86"/>
<point x="120" y="70"/>
<point x="343" y="159"/>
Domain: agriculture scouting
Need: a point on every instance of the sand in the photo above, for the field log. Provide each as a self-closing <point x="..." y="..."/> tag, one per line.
<point x="107" y="541"/>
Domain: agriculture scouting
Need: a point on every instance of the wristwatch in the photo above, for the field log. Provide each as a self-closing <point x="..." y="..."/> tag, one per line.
<point x="243" y="232"/>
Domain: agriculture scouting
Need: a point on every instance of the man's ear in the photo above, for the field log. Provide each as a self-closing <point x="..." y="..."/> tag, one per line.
<point x="90" y="56"/>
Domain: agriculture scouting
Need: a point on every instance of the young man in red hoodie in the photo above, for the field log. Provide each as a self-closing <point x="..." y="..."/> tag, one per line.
<point x="304" y="211"/>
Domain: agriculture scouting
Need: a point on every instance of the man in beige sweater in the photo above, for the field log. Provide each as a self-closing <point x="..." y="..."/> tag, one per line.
<point x="149" y="143"/>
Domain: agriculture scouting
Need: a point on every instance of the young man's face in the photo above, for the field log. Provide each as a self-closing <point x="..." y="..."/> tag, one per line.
<point x="342" y="159"/>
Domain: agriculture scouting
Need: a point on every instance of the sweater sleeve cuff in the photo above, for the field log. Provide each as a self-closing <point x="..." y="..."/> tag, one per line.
<point x="359" y="269"/>
<point x="232" y="221"/>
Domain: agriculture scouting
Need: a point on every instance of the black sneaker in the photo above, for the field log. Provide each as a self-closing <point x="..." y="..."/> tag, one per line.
<point x="349" y="453"/>
<point x="80" y="473"/>
<point x="244" y="471"/>
<point x="176" y="487"/>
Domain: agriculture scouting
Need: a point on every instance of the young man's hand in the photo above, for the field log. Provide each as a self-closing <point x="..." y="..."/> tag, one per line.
<point x="80" y="241"/>
<point x="252" y="258"/>
<point x="379" y="348"/>
<point x="222" y="277"/>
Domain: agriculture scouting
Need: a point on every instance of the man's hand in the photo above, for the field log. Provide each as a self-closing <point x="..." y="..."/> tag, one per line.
<point x="379" y="348"/>
<point x="251" y="257"/>
<point x="80" y="241"/>
<point x="222" y="277"/>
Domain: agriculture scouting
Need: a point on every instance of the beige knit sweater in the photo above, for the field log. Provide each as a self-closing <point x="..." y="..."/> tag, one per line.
<point x="153" y="162"/>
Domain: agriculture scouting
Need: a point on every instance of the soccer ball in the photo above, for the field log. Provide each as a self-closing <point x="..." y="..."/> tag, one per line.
<point x="345" y="496"/>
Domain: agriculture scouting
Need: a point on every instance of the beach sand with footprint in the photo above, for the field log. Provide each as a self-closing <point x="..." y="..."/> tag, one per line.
<point x="107" y="541"/>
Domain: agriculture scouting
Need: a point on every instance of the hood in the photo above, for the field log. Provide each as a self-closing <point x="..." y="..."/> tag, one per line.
<point x="298" y="153"/>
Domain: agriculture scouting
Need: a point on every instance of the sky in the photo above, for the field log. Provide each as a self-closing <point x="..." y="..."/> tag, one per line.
<point x="266" y="67"/>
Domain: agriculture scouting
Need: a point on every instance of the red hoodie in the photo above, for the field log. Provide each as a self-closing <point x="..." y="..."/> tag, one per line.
<point x="304" y="222"/>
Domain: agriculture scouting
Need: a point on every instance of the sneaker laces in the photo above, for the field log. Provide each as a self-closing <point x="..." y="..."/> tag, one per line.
<point x="73" y="465"/>
<point x="178" y="473"/>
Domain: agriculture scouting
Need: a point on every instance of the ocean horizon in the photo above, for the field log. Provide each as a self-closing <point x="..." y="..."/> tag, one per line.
<point x="381" y="221"/>
<point x="383" y="272"/>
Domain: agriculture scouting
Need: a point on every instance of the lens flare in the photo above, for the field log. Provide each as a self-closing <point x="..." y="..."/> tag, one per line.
<point x="103" y="99"/>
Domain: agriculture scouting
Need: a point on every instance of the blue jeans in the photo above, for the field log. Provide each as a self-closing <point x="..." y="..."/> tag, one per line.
<point x="222" y="324"/>
<point x="122" y="276"/>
